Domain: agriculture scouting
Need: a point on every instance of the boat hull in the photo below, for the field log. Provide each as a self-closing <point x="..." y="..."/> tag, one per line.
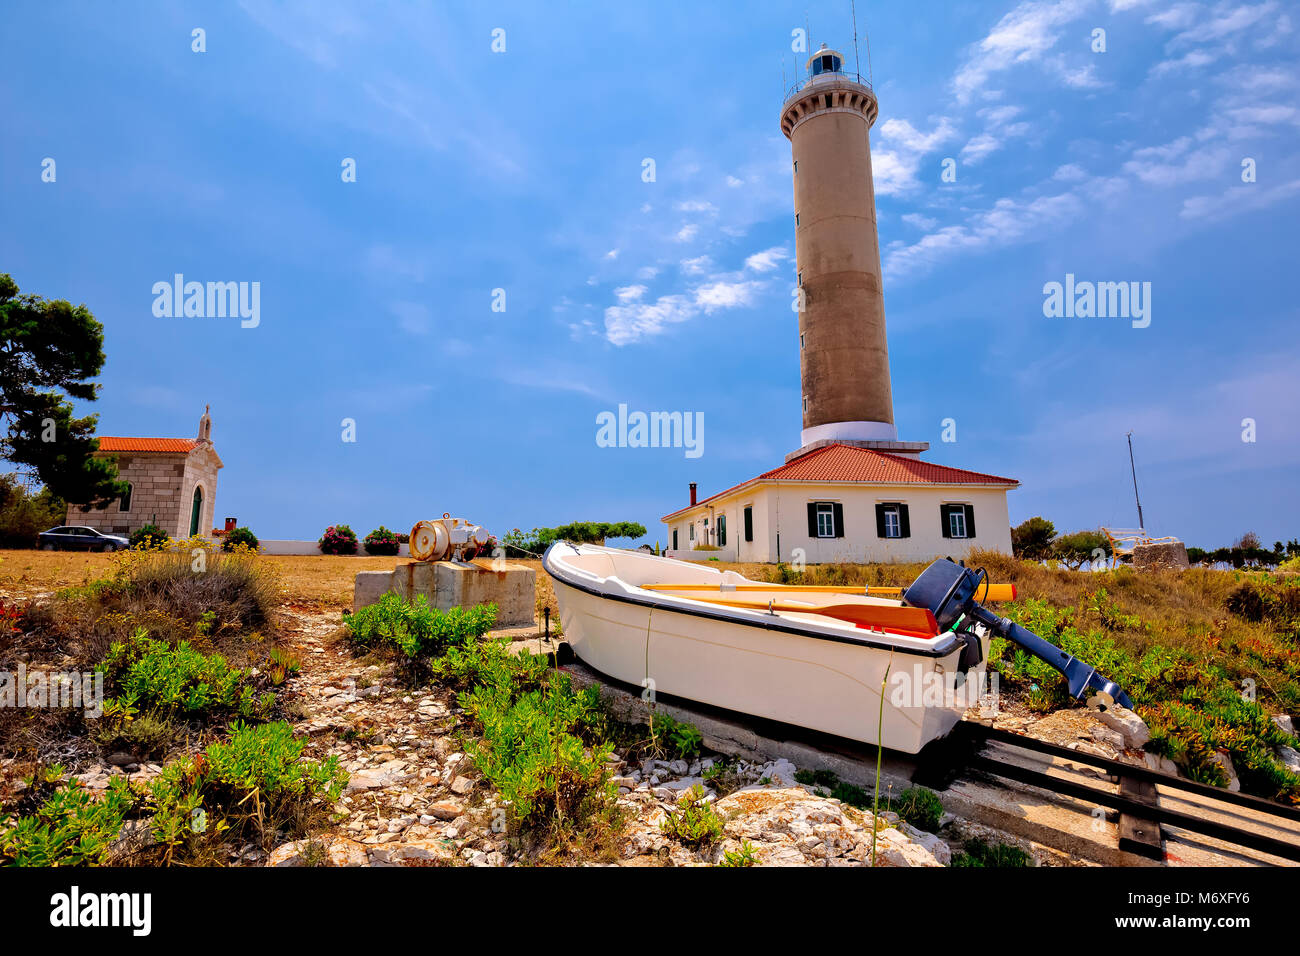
<point x="767" y="668"/>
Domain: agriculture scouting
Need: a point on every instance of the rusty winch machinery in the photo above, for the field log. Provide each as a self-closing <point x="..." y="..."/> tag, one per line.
<point x="449" y="539"/>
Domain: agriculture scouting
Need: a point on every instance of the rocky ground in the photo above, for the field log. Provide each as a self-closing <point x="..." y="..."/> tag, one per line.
<point x="415" y="799"/>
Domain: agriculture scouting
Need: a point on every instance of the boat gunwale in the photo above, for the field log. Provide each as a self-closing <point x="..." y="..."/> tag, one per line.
<point x="941" y="647"/>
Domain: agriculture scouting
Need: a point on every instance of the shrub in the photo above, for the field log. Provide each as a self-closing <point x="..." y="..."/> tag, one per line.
<point x="742" y="857"/>
<point x="144" y="736"/>
<point x="236" y="537"/>
<point x="1277" y="602"/>
<point x="69" y="828"/>
<point x="979" y="853"/>
<point x="919" y="807"/>
<point x="338" y="539"/>
<point x="693" y="822"/>
<point x="149" y="676"/>
<point x="382" y="541"/>
<point x="150" y="536"/>
<point x="674" y="736"/>
<point x="417" y="629"/>
<point x="186" y="582"/>
<point x="532" y="748"/>
<point x="467" y="665"/>
<point x="528" y="544"/>
<point x="249" y="788"/>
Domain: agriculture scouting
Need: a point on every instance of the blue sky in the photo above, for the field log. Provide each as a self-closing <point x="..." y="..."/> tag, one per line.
<point x="522" y="170"/>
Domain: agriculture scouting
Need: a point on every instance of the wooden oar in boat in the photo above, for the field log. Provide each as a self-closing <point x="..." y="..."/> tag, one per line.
<point x="996" y="592"/>
<point x="912" y="621"/>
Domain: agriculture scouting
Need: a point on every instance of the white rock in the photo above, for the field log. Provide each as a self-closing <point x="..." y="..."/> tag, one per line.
<point x="1132" y="727"/>
<point x="1161" y="764"/>
<point x="1284" y="723"/>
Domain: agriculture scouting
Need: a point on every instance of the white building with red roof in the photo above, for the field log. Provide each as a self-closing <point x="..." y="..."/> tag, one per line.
<point x="853" y="491"/>
<point x="172" y="483"/>
<point x="845" y="503"/>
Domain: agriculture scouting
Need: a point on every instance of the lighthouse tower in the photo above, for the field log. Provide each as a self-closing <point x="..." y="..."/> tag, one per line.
<point x="843" y="354"/>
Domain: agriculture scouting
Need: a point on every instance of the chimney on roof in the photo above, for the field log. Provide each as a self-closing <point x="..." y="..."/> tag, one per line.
<point x="692" y="492"/>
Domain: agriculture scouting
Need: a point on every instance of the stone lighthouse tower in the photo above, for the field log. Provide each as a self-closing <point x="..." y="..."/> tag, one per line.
<point x="843" y="355"/>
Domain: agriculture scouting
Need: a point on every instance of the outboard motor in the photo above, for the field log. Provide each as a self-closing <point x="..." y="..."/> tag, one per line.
<point x="951" y="592"/>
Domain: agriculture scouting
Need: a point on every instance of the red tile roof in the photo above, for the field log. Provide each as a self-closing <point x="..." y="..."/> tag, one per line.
<point x="173" y="445"/>
<point x="866" y="465"/>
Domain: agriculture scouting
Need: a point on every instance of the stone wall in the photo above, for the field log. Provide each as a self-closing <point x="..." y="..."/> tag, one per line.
<point x="155" y="496"/>
<point x="1167" y="554"/>
<point x="200" y="469"/>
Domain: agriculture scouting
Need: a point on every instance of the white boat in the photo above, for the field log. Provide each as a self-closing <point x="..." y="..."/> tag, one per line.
<point x="814" y="657"/>
<point x="661" y="623"/>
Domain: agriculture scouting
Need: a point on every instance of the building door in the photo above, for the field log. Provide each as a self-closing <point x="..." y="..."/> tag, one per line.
<point x="196" y="510"/>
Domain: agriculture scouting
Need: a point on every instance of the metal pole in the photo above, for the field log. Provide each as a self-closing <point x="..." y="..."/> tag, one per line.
<point x="1133" y="468"/>
<point x="857" y="61"/>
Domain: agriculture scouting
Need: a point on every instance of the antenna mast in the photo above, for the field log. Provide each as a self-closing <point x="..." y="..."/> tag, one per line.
<point x="857" y="60"/>
<point x="1133" y="468"/>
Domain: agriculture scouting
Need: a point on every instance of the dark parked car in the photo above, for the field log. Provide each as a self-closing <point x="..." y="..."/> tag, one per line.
<point x="73" y="538"/>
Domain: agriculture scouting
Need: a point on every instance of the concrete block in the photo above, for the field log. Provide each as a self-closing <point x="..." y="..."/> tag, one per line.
<point x="370" y="586"/>
<point x="447" y="584"/>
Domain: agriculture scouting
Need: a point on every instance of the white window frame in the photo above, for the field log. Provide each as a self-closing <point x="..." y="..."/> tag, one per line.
<point x="957" y="512"/>
<point x="825" y="509"/>
<point x="895" y="514"/>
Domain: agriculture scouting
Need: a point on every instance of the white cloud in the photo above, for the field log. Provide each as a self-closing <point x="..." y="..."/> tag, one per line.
<point x="919" y="221"/>
<point x="612" y="254"/>
<point x="902" y="146"/>
<point x="687" y="232"/>
<point x="625" y="324"/>
<point x="907" y="137"/>
<point x="1070" y="173"/>
<point x="726" y="295"/>
<point x="1227" y="21"/>
<point x="979" y="147"/>
<point x="647" y="272"/>
<point x="733" y="182"/>
<point x="695" y="205"/>
<point x="697" y="266"/>
<point x="1247" y="197"/>
<point x="629" y="293"/>
<point x="1192" y="60"/>
<point x="767" y="260"/>
<point x="1024" y="35"/>
<point x="413" y="317"/>
<point x="1009" y="220"/>
<point x="1176" y="163"/>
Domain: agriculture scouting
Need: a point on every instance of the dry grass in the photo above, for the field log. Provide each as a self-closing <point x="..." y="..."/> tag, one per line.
<point x="322" y="580"/>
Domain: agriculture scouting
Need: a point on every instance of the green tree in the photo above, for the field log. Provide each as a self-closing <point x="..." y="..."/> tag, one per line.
<point x="1032" y="539"/>
<point x="24" y="514"/>
<point x="49" y="352"/>
<point x="1073" y="550"/>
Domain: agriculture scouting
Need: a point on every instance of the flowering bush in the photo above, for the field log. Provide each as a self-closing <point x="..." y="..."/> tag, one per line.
<point x="150" y="536"/>
<point x="338" y="539"/>
<point x="382" y="541"/>
<point x="236" y="536"/>
<point x="10" y="614"/>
